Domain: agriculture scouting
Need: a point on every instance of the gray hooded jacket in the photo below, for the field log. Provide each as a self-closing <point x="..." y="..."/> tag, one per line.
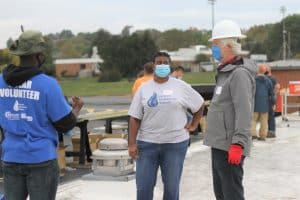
<point x="230" y="111"/>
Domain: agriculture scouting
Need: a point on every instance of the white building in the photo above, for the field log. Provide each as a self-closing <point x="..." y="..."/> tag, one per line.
<point x="187" y="58"/>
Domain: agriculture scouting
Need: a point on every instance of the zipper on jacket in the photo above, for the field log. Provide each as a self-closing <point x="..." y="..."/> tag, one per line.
<point x="224" y="118"/>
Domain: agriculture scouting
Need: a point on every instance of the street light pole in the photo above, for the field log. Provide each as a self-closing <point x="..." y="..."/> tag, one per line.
<point x="212" y="2"/>
<point x="283" y="10"/>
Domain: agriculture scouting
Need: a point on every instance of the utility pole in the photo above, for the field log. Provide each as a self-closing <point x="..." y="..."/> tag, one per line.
<point x="289" y="45"/>
<point x="284" y="45"/>
<point x="212" y="2"/>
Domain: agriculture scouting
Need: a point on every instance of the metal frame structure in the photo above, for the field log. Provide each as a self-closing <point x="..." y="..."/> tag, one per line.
<point x="286" y="105"/>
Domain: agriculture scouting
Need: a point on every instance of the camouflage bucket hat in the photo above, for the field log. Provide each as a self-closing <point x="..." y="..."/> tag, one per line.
<point x="29" y="42"/>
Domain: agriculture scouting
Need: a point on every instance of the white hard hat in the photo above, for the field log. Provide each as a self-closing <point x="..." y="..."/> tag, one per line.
<point x="226" y="29"/>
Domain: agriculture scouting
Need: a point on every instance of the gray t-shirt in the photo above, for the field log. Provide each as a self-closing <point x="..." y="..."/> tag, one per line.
<point x="162" y="110"/>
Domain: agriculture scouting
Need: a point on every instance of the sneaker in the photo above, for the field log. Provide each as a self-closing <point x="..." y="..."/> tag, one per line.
<point x="254" y="137"/>
<point x="261" y="139"/>
<point x="271" y="135"/>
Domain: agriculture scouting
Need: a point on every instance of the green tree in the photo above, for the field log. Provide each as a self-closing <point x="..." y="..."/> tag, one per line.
<point x="202" y="58"/>
<point x="126" y="31"/>
<point x="293" y="28"/>
<point x="67" y="45"/>
<point x="127" y="54"/>
<point x="7" y="58"/>
<point x="275" y="37"/>
<point x="273" y="43"/>
<point x="174" y="39"/>
<point x="66" y="34"/>
<point x="48" y="67"/>
<point x="153" y="33"/>
<point x="101" y="40"/>
<point x="256" y="38"/>
<point x="297" y="56"/>
<point x="267" y="38"/>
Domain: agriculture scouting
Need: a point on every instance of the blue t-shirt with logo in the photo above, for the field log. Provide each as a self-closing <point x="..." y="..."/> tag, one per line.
<point x="26" y="116"/>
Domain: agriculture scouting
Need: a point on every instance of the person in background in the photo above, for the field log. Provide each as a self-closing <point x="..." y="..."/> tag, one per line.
<point x="264" y="99"/>
<point x="229" y="114"/>
<point x="178" y="72"/>
<point x="279" y="102"/>
<point x="159" y="131"/>
<point x="33" y="111"/>
<point x="140" y="74"/>
<point x="272" y="108"/>
<point x="148" y="75"/>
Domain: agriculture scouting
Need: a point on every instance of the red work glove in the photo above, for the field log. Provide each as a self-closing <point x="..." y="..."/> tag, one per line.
<point x="235" y="154"/>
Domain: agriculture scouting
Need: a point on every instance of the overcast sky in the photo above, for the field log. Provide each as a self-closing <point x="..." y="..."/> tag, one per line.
<point x="51" y="16"/>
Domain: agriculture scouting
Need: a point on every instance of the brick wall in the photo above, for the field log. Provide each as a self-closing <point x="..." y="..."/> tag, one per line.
<point x="284" y="76"/>
<point x="71" y="69"/>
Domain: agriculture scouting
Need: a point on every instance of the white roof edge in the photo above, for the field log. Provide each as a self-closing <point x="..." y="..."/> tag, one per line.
<point x="78" y="61"/>
<point x="285" y="63"/>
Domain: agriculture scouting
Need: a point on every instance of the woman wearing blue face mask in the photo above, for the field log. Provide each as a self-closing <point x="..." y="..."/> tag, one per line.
<point x="159" y="132"/>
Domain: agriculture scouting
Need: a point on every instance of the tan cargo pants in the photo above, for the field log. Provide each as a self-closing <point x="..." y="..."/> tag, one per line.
<point x="262" y="118"/>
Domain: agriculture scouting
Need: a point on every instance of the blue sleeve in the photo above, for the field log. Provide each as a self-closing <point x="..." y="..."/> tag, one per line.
<point x="57" y="105"/>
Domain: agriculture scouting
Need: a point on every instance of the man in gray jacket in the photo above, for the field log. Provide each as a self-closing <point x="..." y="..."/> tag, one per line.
<point x="228" y="130"/>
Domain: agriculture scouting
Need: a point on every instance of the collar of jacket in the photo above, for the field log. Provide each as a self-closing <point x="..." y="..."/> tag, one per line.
<point x="231" y="64"/>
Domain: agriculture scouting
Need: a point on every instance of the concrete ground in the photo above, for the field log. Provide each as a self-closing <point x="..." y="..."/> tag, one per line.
<point x="271" y="173"/>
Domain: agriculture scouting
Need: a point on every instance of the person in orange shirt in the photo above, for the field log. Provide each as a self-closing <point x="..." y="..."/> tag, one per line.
<point x="278" y="110"/>
<point x="148" y="75"/>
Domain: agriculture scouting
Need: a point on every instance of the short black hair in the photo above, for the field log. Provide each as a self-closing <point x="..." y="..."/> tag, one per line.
<point x="178" y="68"/>
<point x="148" y="67"/>
<point x="161" y="54"/>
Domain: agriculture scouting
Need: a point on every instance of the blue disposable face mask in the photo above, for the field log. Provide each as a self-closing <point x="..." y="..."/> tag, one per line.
<point x="162" y="71"/>
<point x="216" y="52"/>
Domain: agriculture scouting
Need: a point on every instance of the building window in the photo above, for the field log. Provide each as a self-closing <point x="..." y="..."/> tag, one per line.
<point x="82" y="66"/>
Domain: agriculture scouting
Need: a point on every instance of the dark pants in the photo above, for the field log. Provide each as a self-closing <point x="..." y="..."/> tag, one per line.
<point x="227" y="178"/>
<point x="38" y="181"/>
<point x="169" y="157"/>
<point x="1" y="168"/>
<point x="271" y="121"/>
<point x="277" y="114"/>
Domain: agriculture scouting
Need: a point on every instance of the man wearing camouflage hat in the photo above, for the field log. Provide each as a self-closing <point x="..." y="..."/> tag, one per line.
<point x="33" y="109"/>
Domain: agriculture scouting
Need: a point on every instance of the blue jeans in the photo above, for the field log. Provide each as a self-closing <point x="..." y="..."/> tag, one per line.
<point x="169" y="157"/>
<point x="271" y="121"/>
<point x="39" y="181"/>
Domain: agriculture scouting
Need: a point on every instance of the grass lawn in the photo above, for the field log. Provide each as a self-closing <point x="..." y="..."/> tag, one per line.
<point x="91" y="87"/>
<point x="199" y="77"/>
